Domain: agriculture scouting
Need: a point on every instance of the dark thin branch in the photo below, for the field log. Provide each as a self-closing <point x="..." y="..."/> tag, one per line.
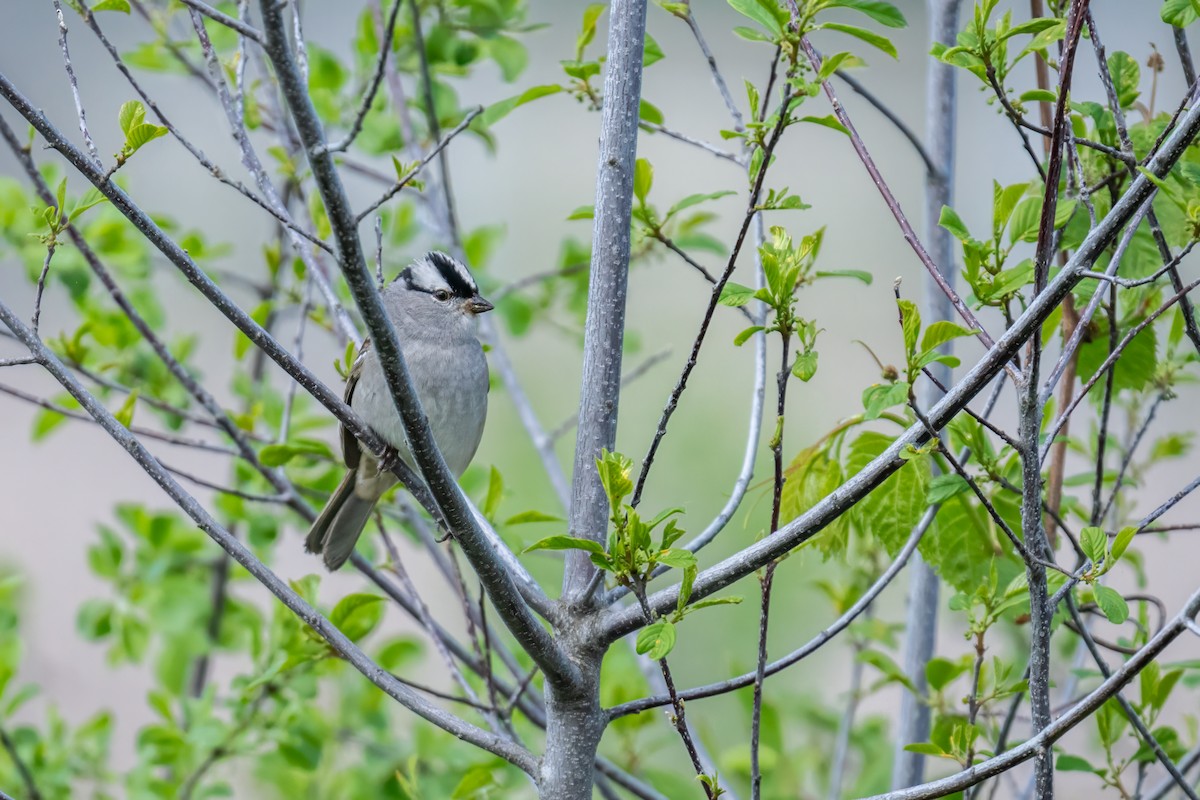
<point x="23" y="771"/>
<point x="893" y="205"/>
<point x="420" y="165"/>
<point x="1081" y="711"/>
<point x="1134" y="718"/>
<point x="385" y="51"/>
<point x="714" y="298"/>
<point x="891" y="116"/>
<point x="149" y="433"/>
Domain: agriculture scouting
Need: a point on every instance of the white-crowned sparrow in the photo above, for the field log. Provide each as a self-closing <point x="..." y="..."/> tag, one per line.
<point x="433" y="304"/>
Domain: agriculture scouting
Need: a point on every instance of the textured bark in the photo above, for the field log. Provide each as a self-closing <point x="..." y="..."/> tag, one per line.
<point x="604" y="331"/>
<point x="941" y="109"/>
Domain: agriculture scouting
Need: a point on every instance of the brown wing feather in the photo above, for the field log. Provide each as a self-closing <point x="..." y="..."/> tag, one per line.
<point x="351" y="452"/>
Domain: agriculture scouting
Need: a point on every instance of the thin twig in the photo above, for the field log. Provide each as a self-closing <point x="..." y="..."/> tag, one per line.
<point x="414" y="171"/>
<point x="385" y="50"/>
<point x="79" y="112"/>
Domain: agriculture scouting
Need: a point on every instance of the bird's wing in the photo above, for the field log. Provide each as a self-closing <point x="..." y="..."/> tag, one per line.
<point x="351" y="452"/>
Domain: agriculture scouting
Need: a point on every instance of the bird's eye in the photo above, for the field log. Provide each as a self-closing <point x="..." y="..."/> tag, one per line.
<point x="442" y="295"/>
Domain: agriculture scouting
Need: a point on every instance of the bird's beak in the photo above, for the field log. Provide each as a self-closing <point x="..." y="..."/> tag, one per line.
<point x="477" y="305"/>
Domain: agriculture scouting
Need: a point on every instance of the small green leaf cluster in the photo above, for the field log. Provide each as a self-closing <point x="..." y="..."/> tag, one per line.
<point x="786" y="269"/>
<point x="1016" y="209"/>
<point x="632" y="556"/>
<point x="57" y="216"/>
<point x="984" y="51"/>
<point x="138" y="132"/>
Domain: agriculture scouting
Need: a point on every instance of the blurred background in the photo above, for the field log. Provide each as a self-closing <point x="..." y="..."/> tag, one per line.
<point x="54" y="493"/>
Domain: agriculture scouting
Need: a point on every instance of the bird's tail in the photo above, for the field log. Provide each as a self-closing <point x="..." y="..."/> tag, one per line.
<point x="340" y="523"/>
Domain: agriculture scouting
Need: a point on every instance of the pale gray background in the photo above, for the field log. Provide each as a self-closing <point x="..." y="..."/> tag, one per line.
<point x="52" y="495"/>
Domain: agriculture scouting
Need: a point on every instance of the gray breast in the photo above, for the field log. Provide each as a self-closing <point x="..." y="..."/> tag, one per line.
<point x="452" y="381"/>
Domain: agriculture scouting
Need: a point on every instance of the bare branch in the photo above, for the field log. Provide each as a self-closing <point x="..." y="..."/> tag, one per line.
<point x="604" y="328"/>
<point x="79" y="112"/>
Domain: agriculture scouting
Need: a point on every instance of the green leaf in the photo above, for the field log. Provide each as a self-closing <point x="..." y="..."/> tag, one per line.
<point x="857" y="274"/>
<point x="751" y="34"/>
<point x="762" y="13"/>
<point x="583" y="212"/>
<point x="651" y="52"/>
<point x="1134" y="369"/>
<point x="716" y="601"/>
<point x="131" y="115"/>
<point x="943" y="487"/>
<point x="656" y="640"/>
<point x="806" y="365"/>
<point x="564" y="542"/>
<point x="741" y="338"/>
<point x="735" y="295"/>
<point x="501" y="109"/>
<point x="685" y="586"/>
<point x="495" y="493"/>
<point x="953" y="223"/>
<point x="643" y="179"/>
<point x="90" y="199"/>
<point x="889" y="513"/>
<point x="143" y="133"/>
<point x="838" y="61"/>
<point x="1023" y="226"/>
<point x="1125" y="76"/>
<point x="887" y="666"/>
<point x="356" y="615"/>
<point x="1179" y="13"/>
<point x="880" y="397"/>
<point x="615" y="471"/>
<point x="939" y="672"/>
<point x="590" y="15"/>
<point x="677" y="557"/>
<point x="648" y="112"/>
<point x="1069" y="763"/>
<point x="1094" y="543"/>
<point x="696" y="199"/>
<point x="870" y="37"/>
<point x="124" y="414"/>
<point x="811" y="476"/>
<point x="827" y="121"/>
<point x="476" y="784"/>
<point x="1111" y="603"/>
<point x="526" y="517"/>
<point x="926" y="749"/>
<point x="1038" y="96"/>
<point x="112" y="5"/>
<point x="910" y="321"/>
<point x="883" y="13"/>
<point x="1032" y="26"/>
<point x="942" y="331"/>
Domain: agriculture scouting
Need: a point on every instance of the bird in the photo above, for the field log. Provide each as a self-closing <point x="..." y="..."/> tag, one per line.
<point x="434" y="305"/>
